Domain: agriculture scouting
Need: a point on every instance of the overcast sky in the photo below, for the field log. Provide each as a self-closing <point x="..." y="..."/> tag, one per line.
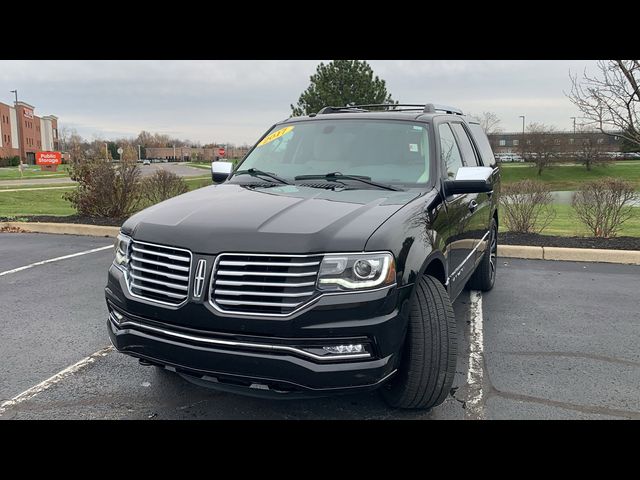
<point x="236" y="101"/>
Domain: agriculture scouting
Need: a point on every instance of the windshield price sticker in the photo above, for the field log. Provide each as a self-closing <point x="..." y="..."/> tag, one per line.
<point x="275" y="135"/>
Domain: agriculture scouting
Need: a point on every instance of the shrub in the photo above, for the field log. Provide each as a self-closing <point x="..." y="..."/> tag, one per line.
<point x="527" y="206"/>
<point x="10" y="161"/>
<point x="161" y="186"/>
<point x="604" y="205"/>
<point x="105" y="189"/>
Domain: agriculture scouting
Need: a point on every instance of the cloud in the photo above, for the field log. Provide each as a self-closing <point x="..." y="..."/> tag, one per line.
<point x="237" y="101"/>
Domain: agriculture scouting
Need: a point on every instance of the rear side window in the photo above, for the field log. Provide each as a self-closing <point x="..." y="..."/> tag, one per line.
<point x="449" y="151"/>
<point x="483" y="145"/>
<point x="468" y="153"/>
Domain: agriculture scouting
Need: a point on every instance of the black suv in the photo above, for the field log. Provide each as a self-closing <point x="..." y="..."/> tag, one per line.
<point x="325" y="262"/>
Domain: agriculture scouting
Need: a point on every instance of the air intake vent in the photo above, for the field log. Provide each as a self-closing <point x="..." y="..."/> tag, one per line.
<point x="158" y="273"/>
<point x="263" y="284"/>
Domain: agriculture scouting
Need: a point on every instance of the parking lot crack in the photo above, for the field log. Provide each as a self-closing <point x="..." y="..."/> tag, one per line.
<point x="588" y="356"/>
<point x="593" y="410"/>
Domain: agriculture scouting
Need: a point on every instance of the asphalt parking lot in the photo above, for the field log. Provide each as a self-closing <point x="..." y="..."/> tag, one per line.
<point x="553" y="340"/>
<point x="180" y="169"/>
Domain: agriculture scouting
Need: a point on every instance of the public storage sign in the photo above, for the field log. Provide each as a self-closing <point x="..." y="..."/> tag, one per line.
<point x="48" y="158"/>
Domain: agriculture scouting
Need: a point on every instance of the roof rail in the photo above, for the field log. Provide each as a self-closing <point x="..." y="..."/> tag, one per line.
<point x="433" y="108"/>
<point x="326" y="110"/>
<point x="426" y="108"/>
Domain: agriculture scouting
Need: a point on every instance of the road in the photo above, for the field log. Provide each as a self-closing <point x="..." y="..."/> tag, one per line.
<point x="180" y="169"/>
<point x="551" y="340"/>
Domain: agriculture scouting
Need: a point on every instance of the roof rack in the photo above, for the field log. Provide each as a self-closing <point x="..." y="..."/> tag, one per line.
<point x="398" y="107"/>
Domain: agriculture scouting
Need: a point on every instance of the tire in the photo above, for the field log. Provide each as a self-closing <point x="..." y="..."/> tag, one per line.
<point x="484" y="277"/>
<point x="428" y="359"/>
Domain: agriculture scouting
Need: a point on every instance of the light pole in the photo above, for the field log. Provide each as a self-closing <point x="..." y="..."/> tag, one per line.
<point x="106" y="151"/>
<point x="138" y="152"/>
<point x="19" y="126"/>
<point x="522" y="117"/>
<point x="574" y="124"/>
<point x="174" y="153"/>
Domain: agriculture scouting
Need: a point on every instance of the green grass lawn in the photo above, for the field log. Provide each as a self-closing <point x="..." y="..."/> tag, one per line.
<point x="50" y="202"/>
<point x="35" y="201"/>
<point x="32" y="171"/>
<point x="566" y="224"/>
<point x="570" y="177"/>
<point x="204" y="166"/>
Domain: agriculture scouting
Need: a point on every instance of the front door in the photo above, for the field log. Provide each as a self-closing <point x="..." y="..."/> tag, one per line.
<point x="478" y="225"/>
<point x="459" y="243"/>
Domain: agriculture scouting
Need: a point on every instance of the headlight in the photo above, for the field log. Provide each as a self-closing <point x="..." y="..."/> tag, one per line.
<point x="122" y="251"/>
<point x="356" y="271"/>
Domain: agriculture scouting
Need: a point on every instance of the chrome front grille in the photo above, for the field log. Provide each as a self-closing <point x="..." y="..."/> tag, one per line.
<point x="263" y="284"/>
<point x="158" y="273"/>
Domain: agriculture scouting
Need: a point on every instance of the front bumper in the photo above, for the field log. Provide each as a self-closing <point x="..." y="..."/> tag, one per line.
<point x="238" y="363"/>
<point x="260" y="355"/>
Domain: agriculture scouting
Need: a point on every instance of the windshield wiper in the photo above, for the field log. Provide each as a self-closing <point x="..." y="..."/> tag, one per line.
<point x="254" y="172"/>
<point x="336" y="176"/>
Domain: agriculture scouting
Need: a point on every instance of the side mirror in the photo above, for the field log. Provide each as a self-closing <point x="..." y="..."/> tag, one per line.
<point x="470" y="180"/>
<point x="220" y="171"/>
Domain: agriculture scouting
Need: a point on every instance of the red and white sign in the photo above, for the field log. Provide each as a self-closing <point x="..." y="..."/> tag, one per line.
<point x="28" y="113"/>
<point x="48" y="158"/>
<point x="221" y="152"/>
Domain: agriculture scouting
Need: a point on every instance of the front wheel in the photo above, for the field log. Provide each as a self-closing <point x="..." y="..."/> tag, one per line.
<point x="428" y="362"/>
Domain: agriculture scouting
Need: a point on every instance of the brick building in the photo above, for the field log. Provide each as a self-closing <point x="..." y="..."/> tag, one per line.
<point x="189" y="154"/>
<point x="511" y="143"/>
<point x="22" y="133"/>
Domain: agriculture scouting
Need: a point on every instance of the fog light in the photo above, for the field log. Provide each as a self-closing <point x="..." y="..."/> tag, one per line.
<point x="116" y="316"/>
<point x="344" y="349"/>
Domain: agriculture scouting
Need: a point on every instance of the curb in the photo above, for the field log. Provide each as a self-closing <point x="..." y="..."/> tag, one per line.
<point x="64" y="228"/>
<point x="628" y="257"/>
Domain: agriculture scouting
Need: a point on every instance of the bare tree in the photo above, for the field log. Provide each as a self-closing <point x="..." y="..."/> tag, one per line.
<point x="527" y="206"/>
<point x="490" y="122"/>
<point x="604" y="205"/>
<point x="588" y="150"/>
<point x="610" y="99"/>
<point x="541" y="146"/>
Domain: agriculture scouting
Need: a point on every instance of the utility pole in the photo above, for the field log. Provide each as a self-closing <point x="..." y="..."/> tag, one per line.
<point x="106" y="151"/>
<point x="139" y="158"/>
<point x="574" y="125"/>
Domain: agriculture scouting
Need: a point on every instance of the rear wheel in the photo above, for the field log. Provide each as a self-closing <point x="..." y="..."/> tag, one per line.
<point x="485" y="275"/>
<point x="428" y="363"/>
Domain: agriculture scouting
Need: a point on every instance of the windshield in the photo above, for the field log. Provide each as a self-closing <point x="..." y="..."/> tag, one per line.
<point x="385" y="151"/>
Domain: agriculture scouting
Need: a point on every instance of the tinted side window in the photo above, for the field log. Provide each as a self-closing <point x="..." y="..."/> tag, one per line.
<point x="483" y="145"/>
<point x="449" y="151"/>
<point x="468" y="153"/>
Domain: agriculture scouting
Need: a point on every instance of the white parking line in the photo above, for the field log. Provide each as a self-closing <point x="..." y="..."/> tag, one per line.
<point x="57" y="259"/>
<point x="51" y="381"/>
<point x="474" y="406"/>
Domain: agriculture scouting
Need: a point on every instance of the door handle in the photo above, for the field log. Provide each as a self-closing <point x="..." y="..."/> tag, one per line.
<point x="473" y="205"/>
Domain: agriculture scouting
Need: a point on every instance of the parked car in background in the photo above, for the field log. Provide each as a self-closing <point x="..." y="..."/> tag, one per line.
<point x="146" y="161"/>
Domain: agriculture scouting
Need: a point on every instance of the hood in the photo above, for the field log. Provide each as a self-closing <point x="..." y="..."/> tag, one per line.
<point x="283" y="219"/>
